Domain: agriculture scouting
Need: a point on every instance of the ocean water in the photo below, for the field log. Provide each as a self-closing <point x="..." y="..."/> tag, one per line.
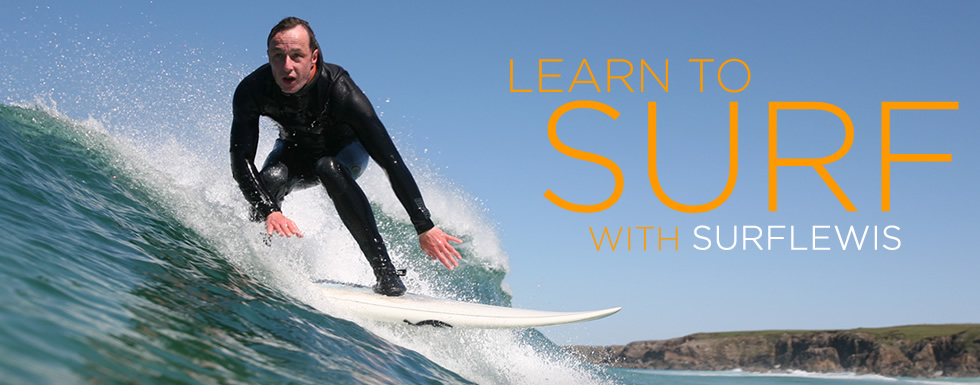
<point x="736" y="377"/>
<point x="128" y="260"/>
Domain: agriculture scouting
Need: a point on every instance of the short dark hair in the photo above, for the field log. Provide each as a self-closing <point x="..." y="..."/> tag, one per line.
<point x="290" y="23"/>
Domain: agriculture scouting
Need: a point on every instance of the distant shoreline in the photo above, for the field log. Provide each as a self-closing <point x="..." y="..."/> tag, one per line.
<point x="925" y="351"/>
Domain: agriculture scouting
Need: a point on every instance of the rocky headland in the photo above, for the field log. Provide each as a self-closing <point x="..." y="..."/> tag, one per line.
<point x="904" y="351"/>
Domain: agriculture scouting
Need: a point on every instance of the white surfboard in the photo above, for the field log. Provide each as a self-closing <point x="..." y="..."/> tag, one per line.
<point x="417" y="309"/>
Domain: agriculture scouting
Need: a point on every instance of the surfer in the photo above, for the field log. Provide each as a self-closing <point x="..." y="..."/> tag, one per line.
<point x="327" y="131"/>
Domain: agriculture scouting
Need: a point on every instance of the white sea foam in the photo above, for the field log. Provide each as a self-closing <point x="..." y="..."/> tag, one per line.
<point x="843" y="376"/>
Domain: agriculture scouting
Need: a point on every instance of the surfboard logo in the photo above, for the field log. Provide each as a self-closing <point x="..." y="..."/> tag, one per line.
<point x="429" y="322"/>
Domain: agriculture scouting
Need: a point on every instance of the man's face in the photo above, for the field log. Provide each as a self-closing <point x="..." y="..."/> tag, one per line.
<point x="291" y="60"/>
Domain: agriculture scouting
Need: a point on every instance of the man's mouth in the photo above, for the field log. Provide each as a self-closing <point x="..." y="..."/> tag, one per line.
<point x="288" y="79"/>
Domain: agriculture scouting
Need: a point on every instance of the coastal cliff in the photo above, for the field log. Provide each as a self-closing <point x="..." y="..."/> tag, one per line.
<point x="904" y="351"/>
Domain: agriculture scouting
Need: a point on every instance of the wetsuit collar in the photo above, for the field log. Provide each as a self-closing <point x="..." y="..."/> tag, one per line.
<point x="312" y="74"/>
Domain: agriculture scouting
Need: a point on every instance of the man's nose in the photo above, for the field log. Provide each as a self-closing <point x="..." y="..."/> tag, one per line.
<point x="288" y="65"/>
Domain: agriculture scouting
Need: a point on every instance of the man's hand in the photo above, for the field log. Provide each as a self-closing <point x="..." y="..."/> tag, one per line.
<point x="276" y="223"/>
<point x="435" y="243"/>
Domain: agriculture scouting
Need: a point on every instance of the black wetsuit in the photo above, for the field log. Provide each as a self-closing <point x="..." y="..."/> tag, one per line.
<point x="325" y="130"/>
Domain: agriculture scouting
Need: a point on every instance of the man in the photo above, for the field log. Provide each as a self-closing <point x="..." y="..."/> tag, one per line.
<point x="328" y="128"/>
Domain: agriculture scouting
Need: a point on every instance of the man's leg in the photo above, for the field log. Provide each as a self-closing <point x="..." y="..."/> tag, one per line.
<point x="354" y="158"/>
<point x="336" y="173"/>
<point x="279" y="180"/>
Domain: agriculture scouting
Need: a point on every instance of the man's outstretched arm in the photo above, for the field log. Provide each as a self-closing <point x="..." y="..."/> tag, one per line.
<point x="356" y="110"/>
<point x="244" y="142"/>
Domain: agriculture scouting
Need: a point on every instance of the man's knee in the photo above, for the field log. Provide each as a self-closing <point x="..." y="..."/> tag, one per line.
<point x="275" y="176"/>
<point x="331" y="172"/>
<point x="354" y="158"/>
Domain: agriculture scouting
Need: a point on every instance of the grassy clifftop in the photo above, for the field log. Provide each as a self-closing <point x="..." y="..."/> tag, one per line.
<point x="912" y="333"/>
<point x="915" y="350"/>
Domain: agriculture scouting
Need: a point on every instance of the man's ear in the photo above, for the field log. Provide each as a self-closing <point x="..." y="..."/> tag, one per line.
<point x="316" y="56"/>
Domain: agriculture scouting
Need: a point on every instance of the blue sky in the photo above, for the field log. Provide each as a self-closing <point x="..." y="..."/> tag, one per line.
<point x="445" y="69"/>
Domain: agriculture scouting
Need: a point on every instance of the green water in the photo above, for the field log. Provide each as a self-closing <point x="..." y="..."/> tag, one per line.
<point x="102" y="285"/>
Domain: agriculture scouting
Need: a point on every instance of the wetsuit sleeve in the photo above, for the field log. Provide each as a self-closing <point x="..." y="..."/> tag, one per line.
<point x="244" y="142"/>
<point x="355" y="109"/>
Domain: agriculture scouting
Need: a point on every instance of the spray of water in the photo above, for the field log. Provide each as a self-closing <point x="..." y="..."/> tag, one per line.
<point x="167" y="130"/>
